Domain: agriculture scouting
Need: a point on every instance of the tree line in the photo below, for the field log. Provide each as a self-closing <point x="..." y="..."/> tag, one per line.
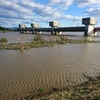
<point x="8" y="29"/>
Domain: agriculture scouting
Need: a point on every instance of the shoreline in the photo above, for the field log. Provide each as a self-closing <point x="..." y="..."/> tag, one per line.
<point x="89" y="90"/>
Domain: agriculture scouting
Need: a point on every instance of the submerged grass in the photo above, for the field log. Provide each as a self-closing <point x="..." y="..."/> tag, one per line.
<point x="39" y="41"/>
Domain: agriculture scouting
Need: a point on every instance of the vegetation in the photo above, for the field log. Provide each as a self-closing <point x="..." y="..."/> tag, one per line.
<point x="41" y="90"/>
<point x="7" y="29"/>
<point x="87" y="91"/>
<point x="2" y="28"/>
<point x="3" y="40"/>
<point x="39" y="41"/>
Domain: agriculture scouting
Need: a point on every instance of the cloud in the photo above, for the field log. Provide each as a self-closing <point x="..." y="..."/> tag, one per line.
<point x="61" y="4"/>
<point x="93" y="11"/>
<point x="12" y="6"/>
<point x="84" y="3"/>
<point x="16" y="12"/>
<point x="93" y="8"/>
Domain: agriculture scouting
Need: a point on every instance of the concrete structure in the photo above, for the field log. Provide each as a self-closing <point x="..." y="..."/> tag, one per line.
<point x="96" y="30"/>
<point x="88" y="29"/>
<point x="22" y="26"/>
<point x="34" y="26"/>
<point x="54" y="25"/>
<point x="89" y="25"/>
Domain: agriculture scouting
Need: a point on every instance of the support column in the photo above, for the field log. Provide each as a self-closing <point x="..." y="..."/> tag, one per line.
<point x="22" y="27"/>
<point x="89" y="25"/>
<point x="33" y="31"/>
<point x="20" y="30"/>
<point x="89" y="30"/>
<point x="52" y="31"/>
<point x="53" y="26"/>
<point x="58" y="33"/>
<point x="34" y="26"/>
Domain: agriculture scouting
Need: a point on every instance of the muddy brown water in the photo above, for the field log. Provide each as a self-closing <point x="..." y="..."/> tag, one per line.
<point x="17" y="37"/>
<point x="23" y="73"/>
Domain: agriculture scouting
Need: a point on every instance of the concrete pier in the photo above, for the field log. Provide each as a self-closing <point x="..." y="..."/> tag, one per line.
<point x="54" y="25"/>
<point x="22" y="27"/>
<point x="34" y="26"/>
<point x="89" y="25"/>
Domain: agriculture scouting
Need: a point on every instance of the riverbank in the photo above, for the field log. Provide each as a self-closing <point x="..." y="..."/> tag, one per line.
<point x="39" y="41"/>
<point x="87" y="91"/>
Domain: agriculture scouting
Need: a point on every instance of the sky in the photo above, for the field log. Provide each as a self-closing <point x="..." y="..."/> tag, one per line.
<point x="67" y="12"/>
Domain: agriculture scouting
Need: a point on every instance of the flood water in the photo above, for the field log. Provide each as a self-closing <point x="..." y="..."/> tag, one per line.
<point x="23" y="73"/>
<point x="17" y="37"/>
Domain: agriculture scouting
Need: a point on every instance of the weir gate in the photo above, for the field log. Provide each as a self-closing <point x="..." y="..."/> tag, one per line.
<point x="88" y="29"/>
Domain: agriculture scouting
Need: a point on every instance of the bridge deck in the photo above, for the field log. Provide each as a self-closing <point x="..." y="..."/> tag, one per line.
<point x="63" y="29"/>
<point x="70" y="29"/>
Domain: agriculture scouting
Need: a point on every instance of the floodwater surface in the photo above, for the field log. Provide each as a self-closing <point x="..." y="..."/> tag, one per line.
<point x="17" y="37"/>
<point x="24" y="73"/>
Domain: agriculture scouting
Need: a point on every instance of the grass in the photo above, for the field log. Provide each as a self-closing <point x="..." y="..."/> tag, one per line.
<point x="41" y="90"/>
<point x="86" y="91"/>
<point x="39" y="41"/>
<point x="3" y="40"/>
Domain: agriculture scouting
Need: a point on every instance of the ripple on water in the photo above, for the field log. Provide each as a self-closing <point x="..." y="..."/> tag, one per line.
<point x="53" y="67"/>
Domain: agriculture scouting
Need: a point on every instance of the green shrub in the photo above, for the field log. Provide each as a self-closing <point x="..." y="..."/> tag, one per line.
<point x="41" y="90"/>
<point x="3" y="40"/>
<point x="82" y="91"/>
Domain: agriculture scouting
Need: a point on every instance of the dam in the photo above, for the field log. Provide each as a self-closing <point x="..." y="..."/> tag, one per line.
<point x="54" y="28"/>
